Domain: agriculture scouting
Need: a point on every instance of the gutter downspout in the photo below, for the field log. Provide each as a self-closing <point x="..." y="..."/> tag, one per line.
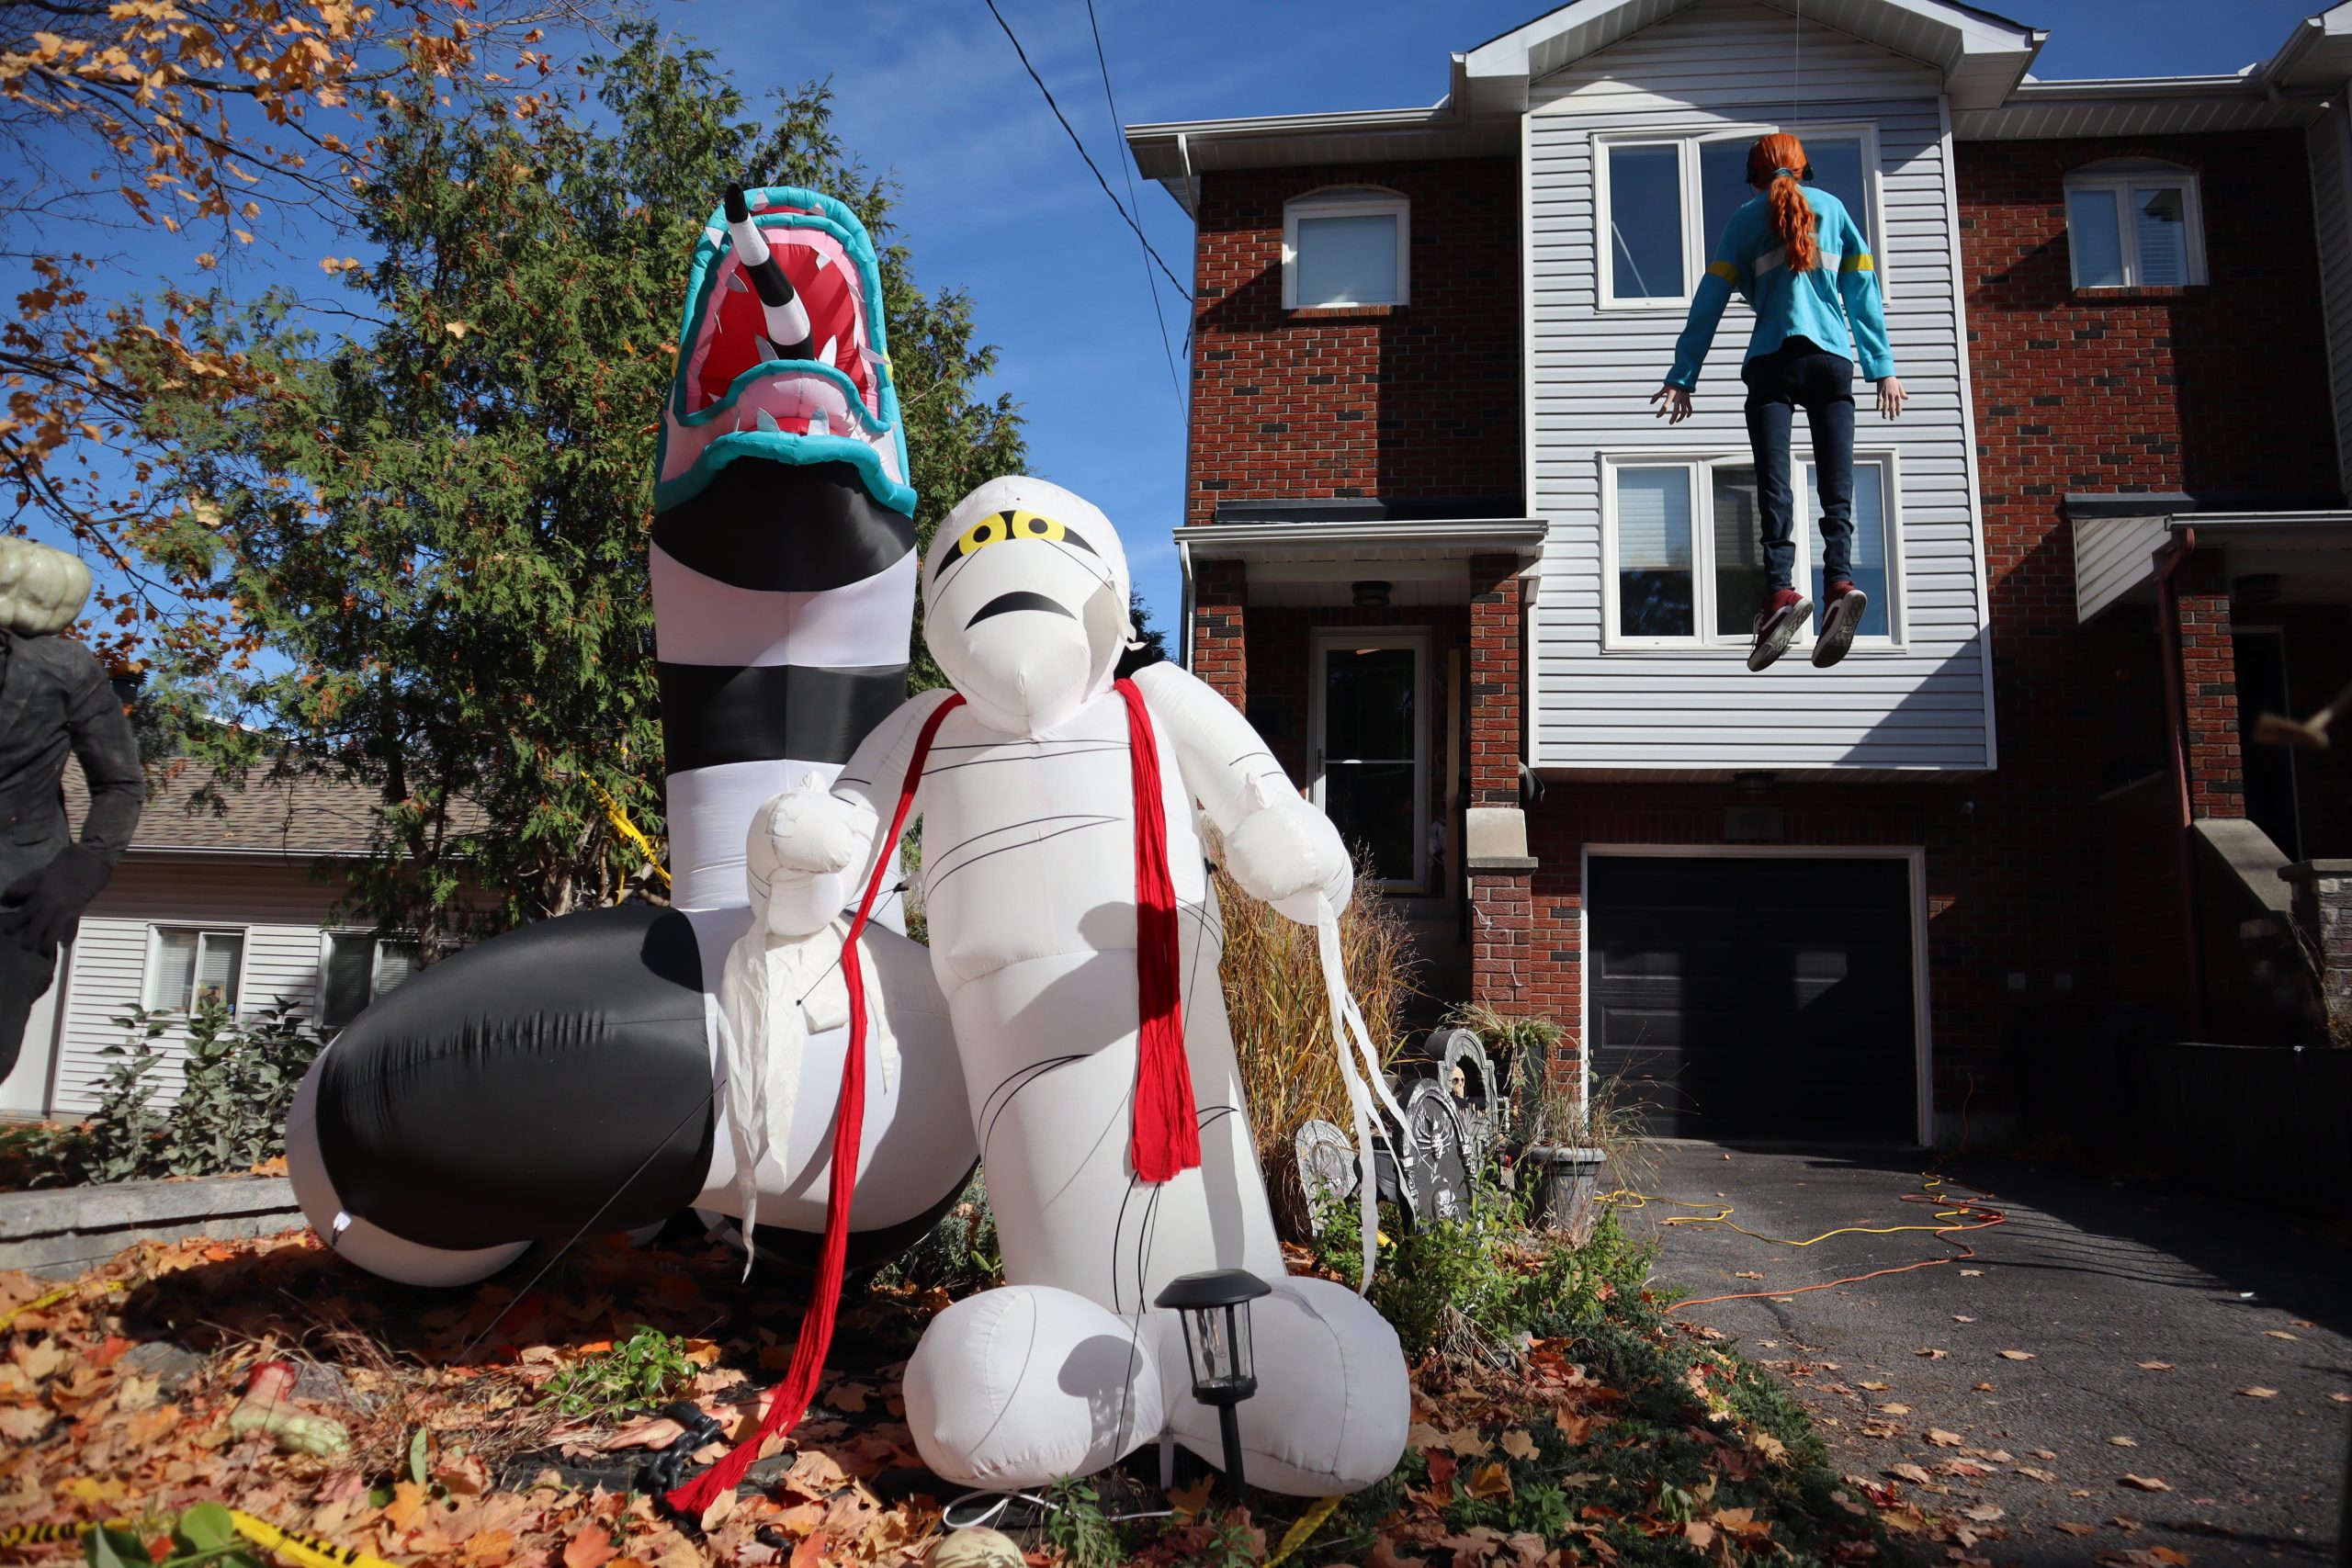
<point x="1184" y="601"/>
<point x="2176" y="759"/>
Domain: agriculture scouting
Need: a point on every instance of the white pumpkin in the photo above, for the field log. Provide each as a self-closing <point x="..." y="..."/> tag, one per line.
<point x="41" y="589"/>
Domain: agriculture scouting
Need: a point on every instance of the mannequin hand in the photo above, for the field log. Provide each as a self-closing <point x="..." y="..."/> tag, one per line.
<point x="1890" y="397"/>
<point x="53" y="897"/>
<point x="1286" y="854"/>
<point x="1677" y="405"/>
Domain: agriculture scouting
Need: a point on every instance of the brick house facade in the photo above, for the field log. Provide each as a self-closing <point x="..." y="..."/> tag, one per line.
<point x="2155" y="488"/>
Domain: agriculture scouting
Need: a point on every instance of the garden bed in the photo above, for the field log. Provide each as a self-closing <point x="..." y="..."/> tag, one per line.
<point x="1627" y="1439"/>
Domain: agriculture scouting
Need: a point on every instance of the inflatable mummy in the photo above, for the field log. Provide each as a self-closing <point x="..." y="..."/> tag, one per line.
<point x="581" y="1074"/>
<point x="1076" y="938"/>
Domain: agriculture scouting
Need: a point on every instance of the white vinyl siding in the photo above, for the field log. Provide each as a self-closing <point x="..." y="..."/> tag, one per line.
<point x="2112" y="557"/>
<point x="1923" y="704"/>
<point x="277" y="906"/>
<point x="2330" y="140"/>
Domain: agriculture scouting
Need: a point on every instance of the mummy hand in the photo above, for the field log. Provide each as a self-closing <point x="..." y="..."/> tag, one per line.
<point x="803" y="845"/>
<point x="1287" y="853"/>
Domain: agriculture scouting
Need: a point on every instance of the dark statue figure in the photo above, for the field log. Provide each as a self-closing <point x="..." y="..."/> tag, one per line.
<point x="54" y="697"/>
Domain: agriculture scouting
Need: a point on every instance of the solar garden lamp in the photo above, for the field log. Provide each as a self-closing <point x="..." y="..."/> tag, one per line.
<point x="1215" y="1308"/>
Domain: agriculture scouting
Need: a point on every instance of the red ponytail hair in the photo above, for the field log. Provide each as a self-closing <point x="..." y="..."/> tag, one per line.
<point x="1792" y="215"/>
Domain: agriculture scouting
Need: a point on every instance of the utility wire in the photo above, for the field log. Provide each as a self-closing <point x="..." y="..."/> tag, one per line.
<point x="1184" y="293"/>
<point x="1127" y="167"/>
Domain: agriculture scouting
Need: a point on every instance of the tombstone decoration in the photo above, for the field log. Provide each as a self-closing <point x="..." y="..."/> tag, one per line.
<point x="1435" y="1185"/>
<point x="55" y="699"/>
<point x="1468" y="1076"/>
<point x="1327" y="1165"/>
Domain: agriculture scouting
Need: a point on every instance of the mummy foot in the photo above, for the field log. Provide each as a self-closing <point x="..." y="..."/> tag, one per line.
<point x="1014" y="1387"/>
<point x="1332" y="1403"/>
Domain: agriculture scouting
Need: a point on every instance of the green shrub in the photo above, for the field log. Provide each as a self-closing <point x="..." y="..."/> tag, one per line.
<point x="644" y="1372"/>
<point x="237" y="1081"/>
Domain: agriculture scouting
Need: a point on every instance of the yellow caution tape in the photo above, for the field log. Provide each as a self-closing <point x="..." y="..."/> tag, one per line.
<point x="299" y="1545"/>
<point x="8" y="1319"/>
<point x="627" y="828"/>
<point x="1299" y="1533"/>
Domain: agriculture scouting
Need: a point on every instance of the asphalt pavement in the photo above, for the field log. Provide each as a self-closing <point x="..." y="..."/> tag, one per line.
<point x="2201" y="1346"/>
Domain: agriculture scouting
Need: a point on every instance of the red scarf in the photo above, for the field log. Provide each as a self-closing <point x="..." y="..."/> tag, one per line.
<point x="1167" y="1137"/>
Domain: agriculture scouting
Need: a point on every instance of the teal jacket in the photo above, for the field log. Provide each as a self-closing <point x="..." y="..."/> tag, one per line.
<point x="1819" y="305"/>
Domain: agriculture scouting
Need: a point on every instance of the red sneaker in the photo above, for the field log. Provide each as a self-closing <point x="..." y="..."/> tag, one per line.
<point x="1841" y="617"/>
<point x="1776" y="623"/>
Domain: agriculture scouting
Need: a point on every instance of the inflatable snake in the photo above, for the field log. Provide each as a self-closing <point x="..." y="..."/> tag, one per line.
<point x="570" y="1076"/>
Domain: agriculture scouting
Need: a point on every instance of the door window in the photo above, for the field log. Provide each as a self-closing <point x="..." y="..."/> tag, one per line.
<point x="1372" y="751"/>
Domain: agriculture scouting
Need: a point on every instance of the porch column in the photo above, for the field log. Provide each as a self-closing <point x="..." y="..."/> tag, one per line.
<point x="1500" y="871"/>
<point x="1220" y="652"/>
<point x="2208" y="689"/>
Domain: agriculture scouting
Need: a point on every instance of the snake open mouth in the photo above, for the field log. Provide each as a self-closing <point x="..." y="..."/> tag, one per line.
<point x="836" y="394"/>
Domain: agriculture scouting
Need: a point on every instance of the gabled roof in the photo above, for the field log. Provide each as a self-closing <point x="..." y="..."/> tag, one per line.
<point x="303" y="816"/>
<point x="1983" y="58"/>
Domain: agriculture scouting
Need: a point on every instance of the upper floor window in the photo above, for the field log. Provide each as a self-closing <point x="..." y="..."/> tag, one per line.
<point x="2131" y="223"/>
<point x="1685" y="556"/>
<point x="1664" y="201"/>
<point x="360" y="968"/>
<point x="187" y="968"/>
<point x="1346" y="246"/>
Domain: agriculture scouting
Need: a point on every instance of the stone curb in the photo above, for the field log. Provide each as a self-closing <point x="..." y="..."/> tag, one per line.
<point x="61" y="1232"/>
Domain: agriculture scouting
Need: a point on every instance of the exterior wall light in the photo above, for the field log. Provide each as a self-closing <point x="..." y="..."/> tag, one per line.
<point x="1215" y="1308"/>
<point x="1371" y="593"/>
<point x="1753" y="783"/>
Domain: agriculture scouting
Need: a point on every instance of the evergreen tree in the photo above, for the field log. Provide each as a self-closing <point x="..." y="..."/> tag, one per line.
<point x="438" y="524"/>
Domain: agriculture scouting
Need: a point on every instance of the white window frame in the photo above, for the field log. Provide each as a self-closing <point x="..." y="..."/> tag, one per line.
<point x="1319" y="643"/>
<point x="1697" y="245"/>
<point x="154" y="947"/>
<point x="327" y="939"/>
<point x="1348" y="201"/>
<point x="1704" y="643"/>
<point x="2116" y="178"/>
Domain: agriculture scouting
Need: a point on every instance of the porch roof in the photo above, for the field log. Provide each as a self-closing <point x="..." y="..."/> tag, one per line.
<point x="2121" y="543"/>
<point x="1423" y="561"/>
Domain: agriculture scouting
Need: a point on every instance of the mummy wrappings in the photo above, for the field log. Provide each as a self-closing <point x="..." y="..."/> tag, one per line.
<point x="585" y="1073"/>
<point x="1074" y="932"/>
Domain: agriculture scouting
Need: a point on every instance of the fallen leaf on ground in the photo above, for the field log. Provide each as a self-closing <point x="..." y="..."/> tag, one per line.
<point x="1944" y="1440"/>
<point x="2125" y="1442"/>
<point x="590" y="1547"/>
<point x="1875" y="1387"/>
<point x="1981" y="1387"/>
<point x="1188" y="1501"/>
<point x="2043" y="1453"/>
<point x="2341" y="1398"/>
<point x="1932" y="1355"/>
<point x="1916" y="1474"/>
<point x="1490" y="1481"/>
<point x="1519" y="1445"/>
<point x="1971" y="1273"/>
<point x="1956" y="1318"/>
<point x="2071" y="1528"/>
<point x="2258" y="1391"/>
<point x="2042" y="1475"/>
<point x="2017" y="1355"/>
<point x="2156" y="1366"/>
<point x="1985" y="1513"/>
<point x="2278" y="1333"/>
<point x="1747" y="1274"/>
<point x="1891" y="1408"/>
<point x="2144" y="1482"/>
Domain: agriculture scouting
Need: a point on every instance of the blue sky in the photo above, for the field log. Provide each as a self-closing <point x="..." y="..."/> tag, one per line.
<point x="996" y="201"/>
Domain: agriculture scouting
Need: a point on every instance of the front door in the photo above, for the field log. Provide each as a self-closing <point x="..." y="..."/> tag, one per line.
<point x="1371" y="747"/>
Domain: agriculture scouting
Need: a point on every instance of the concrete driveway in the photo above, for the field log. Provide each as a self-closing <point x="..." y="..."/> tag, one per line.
<point x="2146" y="1314"/>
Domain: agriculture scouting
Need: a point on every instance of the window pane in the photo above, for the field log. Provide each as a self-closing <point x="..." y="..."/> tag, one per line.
<point x="1740" y="574"/>
<point x="1654" y="580"/>
<point x="173" y="971"/>
<point x="1838" y="169"/>
<point x="2160" y="224"/>
<point x="395" y="962"/>
<point x="1370" y="803"/>
<point x="1368" y="704"/>
<point x="1348" y="261"/>
<point x="1646" y="222"/>
<point x="2097" y="240"/>
<point x="219" y="954"/>
<point x="1870" y="552"/>
<point x="1723" y="185"/>
<point x="348" y="962"/>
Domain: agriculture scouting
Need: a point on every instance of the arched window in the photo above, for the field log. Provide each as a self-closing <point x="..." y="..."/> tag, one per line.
<point x="2134" y="223"/>
<point x="1346" y="246"/>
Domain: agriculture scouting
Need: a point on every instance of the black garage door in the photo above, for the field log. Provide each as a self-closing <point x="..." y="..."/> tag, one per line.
<point x="1755" y="998"/>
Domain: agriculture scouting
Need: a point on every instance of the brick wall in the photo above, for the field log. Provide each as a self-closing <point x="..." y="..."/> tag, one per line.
<point x="1414" y="401"/>
<point x="1220" y="648"/>
<point x="2208" y="688"/>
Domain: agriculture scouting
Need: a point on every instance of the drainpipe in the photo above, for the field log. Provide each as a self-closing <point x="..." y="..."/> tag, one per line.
<point x="2177" y="755"/>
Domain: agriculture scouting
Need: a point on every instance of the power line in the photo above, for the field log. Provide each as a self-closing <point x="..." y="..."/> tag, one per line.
<point x="1184" y="293"/>
<point x="1126" y="166"/>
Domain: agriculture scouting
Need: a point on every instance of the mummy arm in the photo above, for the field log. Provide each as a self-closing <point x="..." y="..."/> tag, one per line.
<point x="1278" y="846"/>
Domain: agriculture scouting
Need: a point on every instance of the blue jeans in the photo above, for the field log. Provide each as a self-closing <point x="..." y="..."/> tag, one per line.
<point x="1802" y="374"/>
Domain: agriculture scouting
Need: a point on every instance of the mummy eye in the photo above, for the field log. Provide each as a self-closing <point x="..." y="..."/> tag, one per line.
<point x="998" y="526"/>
